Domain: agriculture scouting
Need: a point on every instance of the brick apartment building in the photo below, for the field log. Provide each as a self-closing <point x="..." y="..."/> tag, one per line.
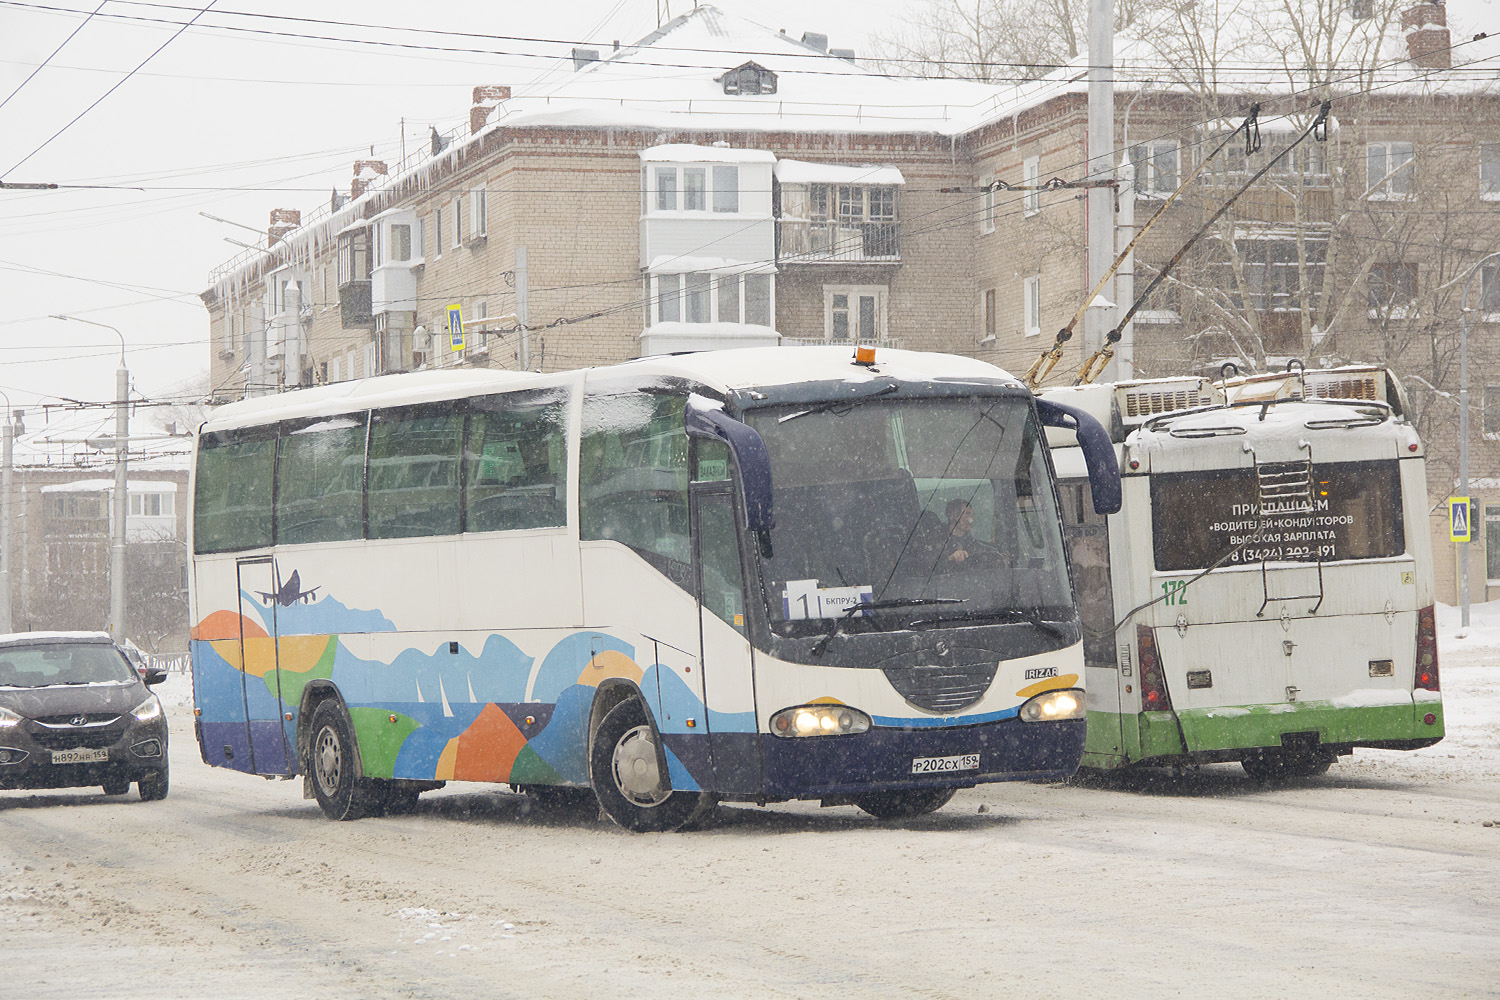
<point x="772" y="189"/>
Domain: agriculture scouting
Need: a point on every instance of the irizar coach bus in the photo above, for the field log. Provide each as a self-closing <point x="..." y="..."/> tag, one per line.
<point x="1265" y="592"/>
<point x="754" y="575"/>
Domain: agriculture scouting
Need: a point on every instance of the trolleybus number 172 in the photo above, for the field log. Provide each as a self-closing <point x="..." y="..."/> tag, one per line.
<point x="962" y="762"/>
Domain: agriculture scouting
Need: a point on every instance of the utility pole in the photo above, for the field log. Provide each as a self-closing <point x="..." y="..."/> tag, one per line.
<point x="523" y="311"/>
<point x="1101" y="148"/>
<point x="1463" y="434"/>
<point x="7" y="455"/>
<point x="121" y="499"/>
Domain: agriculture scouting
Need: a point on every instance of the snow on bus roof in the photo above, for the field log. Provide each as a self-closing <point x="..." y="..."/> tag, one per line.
<point x="725" y="371"/>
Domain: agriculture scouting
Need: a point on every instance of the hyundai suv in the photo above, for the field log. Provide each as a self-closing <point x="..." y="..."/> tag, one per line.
<point x="74" y="712"/>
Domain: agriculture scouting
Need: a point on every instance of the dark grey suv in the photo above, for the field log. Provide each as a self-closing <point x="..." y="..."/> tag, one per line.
<point x="74" y="712"/>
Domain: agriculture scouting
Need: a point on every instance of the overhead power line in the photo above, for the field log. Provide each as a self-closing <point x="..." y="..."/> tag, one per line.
<point x="54" y="52"/>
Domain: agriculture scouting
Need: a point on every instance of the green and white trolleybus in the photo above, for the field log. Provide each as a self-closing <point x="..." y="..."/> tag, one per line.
<point x="1265" y="592"/>
<point x="758" y="575"/>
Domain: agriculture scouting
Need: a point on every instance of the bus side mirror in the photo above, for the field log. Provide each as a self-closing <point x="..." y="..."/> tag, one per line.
<point x="705" y="418"/>
<point x="1098" y="451"/>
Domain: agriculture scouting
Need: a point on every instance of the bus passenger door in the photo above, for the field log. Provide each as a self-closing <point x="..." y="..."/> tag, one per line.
<point x="260" y="584"/>
<point x="729" y="684"/>
<point x="1087" y="535"/>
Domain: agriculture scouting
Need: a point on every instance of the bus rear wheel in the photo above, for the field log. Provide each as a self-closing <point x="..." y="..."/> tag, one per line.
<point x="627" y="770"/>
<point x="334" y="764"/>
<point x="1278" y="765"/>
<point x="905" y="804"/>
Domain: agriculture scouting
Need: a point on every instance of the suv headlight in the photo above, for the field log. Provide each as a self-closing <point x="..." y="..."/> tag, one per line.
<point x="9" y="718"/>
<point x="819" y="720"/>
<point x="1051" y="706"/>
<point x="147" y="710"/>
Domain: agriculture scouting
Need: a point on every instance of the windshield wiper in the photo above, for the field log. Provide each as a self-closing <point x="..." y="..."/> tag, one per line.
<point x="899" y="602"/>
<point x="1008" y="614"/>
<point x="849" y="612"/>
<point x="834" y="404"/>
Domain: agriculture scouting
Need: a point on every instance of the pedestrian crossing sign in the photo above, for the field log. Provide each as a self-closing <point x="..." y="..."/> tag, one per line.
<point x="1459" y="528"/>
<point x="455" y="329"/>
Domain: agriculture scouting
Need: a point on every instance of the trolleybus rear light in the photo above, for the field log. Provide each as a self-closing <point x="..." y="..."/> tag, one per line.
<point x="1430" y="719"/>
<point x="1426" y="674"/>
<point x="1154" y="694"/>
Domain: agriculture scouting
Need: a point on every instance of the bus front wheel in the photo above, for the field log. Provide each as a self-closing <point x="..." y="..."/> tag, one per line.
<point x="341" y="791"/>
<point x="903" y="805"/>
<point x="627" y="770"/>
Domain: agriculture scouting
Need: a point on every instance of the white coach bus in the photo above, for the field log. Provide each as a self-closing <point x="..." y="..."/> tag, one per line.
<point x="1265" y="592"/>
<point x="745" y="575"/>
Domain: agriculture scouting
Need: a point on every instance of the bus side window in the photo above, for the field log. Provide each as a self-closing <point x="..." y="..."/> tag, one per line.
<point x="516" y="462"/>
<point x="414" y="463"/>
<point x="722" y="591"/>
<point x="232" y="496"/>
<point x="633" y="476"/>
<point x="320" y="481"/>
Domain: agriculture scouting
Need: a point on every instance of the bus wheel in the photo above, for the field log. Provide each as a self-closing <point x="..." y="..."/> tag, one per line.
<point x="627" y="771"/>
<point x="1265" y="765"/>
<point x="1306" y="765"/>
<point x="339" y="789"/>
<point x="901" y="805"/>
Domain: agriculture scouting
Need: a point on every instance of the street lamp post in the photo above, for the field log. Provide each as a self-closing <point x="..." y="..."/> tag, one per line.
<point x="1463" y="431"/>
<point x="121" y="500"/>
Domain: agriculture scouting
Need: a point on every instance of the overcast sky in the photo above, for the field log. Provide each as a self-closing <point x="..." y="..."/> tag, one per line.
<point x="218" y="110"/>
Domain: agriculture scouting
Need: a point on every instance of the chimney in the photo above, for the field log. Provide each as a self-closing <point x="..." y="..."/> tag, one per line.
<point x="582" y="57"/>
<point x="1428" y="43"/>
<point x="486" y="99"/>
<point x="283" y="221"/>
<point x="365" y="172"/>
<point x="817" y="41"/>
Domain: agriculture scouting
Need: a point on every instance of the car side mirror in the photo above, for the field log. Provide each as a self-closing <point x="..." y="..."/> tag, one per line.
<point x="153" y="675"/>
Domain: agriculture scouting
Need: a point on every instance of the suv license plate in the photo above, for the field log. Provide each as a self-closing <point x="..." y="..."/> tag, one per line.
<point x="933" y="765"/>
<point x="79" y="756"/>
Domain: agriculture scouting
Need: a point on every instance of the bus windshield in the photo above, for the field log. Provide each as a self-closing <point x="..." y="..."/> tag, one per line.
<point x="900" y="504"/>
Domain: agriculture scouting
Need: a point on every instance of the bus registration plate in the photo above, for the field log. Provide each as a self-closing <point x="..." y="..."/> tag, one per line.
<point x="79" y="756"/>
<point x="933" y="765"/>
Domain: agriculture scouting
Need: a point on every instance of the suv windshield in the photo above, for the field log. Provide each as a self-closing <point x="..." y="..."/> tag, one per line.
<point x="43" y="665"/>
<point x="901" y="504"/>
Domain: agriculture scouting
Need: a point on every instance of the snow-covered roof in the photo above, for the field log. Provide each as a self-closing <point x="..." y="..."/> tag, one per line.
<point x="108" y="485"/>
<point x="683" y="152"/>
<point x="805" y="172"/>
<point x="724" y="370"/>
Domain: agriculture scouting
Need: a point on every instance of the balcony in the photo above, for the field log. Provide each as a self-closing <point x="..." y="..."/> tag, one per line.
<point x="800" y="241"/>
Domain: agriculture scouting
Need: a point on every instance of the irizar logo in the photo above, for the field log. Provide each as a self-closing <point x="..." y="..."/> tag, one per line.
<point x="1038" y="673"/>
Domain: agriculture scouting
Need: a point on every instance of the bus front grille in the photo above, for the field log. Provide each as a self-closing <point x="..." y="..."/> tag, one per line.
<point x="945" y="689"/>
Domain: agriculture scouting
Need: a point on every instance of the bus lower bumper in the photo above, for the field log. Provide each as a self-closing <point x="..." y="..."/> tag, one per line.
<point x="1009" y="750"/>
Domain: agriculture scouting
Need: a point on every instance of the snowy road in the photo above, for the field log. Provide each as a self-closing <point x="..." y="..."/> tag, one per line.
<point x="1377" y="880"/>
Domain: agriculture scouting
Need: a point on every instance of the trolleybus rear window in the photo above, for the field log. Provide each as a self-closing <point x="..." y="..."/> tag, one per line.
<point x="1345" y="510"/>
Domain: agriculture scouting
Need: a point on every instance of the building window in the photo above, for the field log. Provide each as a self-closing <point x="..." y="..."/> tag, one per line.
<point x="987" y="206"/>
<point x="1489" y="171"/>
<point x="335" y="369"/>
<point x="696" y="298"/>
<point x="694" y="190"/>
<point x="728" y="304"/>
<point x="988" y="310"/>
<point x="751" y="78"/>
<point x="1031" y="296"/>
<point x="1490" y="422"/>
<point x="478" y="213"/>
<point x="400" y="242"/>
<point x="1389" y="170"/>
<point x="666" y="189"/>
<point x="457" y="210"/>
<point x="1155" y="168"/>
<point x="854" y="312"/>
<point x="758" y="299"/>
<point x="668" y="298"/>
<point x="1031" y="177"/>
<point x="369" y="361"/>
<point x="726" y="188"/>
<point x="420" y="240"/>
<point x="437" y="232"/>
<point x="482" y="312"/>
<point x="1392" y="289"/>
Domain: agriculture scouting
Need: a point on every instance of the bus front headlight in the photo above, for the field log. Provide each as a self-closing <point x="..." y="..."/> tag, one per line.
<point x="1052" y="706"/>
<point x="819" y="720"/>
